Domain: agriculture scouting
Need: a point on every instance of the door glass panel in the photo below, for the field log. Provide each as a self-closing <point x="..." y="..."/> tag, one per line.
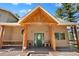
<point x="39" y="38"/>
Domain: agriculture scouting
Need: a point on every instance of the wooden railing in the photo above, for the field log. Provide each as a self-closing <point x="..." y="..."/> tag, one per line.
<point x="12" y="43"/>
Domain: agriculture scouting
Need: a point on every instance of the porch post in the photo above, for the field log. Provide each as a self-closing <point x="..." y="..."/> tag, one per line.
<point x="25" y="39"/>
<point x="52" y="40"/>
<point x="1" y="34"/>
<point x="76" y="35"/>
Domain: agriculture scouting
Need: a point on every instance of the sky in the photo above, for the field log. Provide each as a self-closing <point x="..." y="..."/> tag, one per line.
<point x="23" y="8"/>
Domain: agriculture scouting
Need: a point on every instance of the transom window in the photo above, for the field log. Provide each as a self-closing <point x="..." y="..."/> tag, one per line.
<point x="60" y="36"/>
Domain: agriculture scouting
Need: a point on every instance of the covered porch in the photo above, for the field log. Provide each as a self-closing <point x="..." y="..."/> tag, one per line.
<point x="40" y="18"/>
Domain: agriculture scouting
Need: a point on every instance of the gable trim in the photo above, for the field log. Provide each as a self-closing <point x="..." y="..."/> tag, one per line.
<point x="20" y="21"/>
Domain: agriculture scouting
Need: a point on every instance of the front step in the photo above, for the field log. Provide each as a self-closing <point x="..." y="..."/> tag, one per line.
<point x="37" y="53"/>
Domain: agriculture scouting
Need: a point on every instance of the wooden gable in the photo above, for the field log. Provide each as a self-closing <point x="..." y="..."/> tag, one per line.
<point x="39" y="15"/>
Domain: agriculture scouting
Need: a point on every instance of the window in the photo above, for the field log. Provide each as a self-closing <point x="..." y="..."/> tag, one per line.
<point x="60" y="36"/>
<point x="70" y="35"/>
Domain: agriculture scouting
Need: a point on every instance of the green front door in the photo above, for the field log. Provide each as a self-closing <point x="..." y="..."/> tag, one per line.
<point x="39" y="39"/>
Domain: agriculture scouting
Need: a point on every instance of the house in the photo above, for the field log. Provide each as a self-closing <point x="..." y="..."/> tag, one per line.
<point x="37" y="29"/>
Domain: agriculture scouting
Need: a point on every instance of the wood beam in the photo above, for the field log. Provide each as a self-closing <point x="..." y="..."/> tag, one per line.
<point x="50" y="34"/>
<point x="25" y="41"/>
<point x="52" y="41"/>
<point x="76" y="36"/>
<point x="1" y="35"/>
<point x="38" y="23"/>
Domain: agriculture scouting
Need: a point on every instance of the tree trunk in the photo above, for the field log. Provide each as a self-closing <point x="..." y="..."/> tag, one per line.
<point x="72" y="32"/>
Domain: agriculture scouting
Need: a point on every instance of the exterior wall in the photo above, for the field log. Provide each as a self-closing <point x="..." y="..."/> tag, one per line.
<point x="17" y="34"/>
<point x="45" y="29"/>
<point x="61" y="43"/>
<point x="12" y="34"/>
<point x="7" y="34"/>
<point x="38" y="29"/>
<point x="6" y="17"/>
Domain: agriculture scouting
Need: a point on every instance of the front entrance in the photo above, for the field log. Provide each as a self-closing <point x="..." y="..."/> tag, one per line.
<point x="38" y="39"/>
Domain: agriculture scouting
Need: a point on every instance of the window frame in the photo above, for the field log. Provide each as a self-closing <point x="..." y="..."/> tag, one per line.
<point x="59" y="35"/>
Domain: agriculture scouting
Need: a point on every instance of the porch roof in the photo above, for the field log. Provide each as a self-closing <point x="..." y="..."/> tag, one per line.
<point x="10" y="24"/>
